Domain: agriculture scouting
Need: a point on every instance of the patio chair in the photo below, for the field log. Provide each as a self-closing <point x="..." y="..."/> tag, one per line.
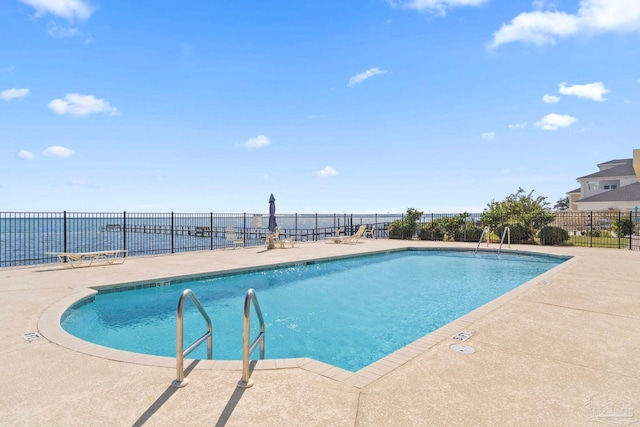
<point x="369" y="232"/>
<point x="355" y="238"/>
<point x="231" y="237"/>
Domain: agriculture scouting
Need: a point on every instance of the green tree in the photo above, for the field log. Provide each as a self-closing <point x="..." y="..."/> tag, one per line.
<point x="405" y="228"/>
<point x="562" y="204"/>
<point x="521" y="208"/>
<point x="449" y="227"/>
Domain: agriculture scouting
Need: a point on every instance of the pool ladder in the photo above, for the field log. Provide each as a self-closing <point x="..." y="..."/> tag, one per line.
<point x="505" y="232"/>
<point x="485" y="232"/>
<point x="180" y="380"/>
<point x="247" y="349"/>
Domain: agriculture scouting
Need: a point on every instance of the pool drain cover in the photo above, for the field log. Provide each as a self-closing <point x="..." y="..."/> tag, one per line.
<point x="461" y="348"/>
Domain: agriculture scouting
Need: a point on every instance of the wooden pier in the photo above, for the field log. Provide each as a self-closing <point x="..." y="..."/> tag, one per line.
<point x="218" y="232"/>
<point x="179" y="230"/>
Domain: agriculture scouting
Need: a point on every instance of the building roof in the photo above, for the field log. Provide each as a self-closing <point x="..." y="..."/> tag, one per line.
<point x="613" y="162"/>
<point x="625" y="169"/>
<point x="628" y="193"/>
<point x="577" y="190"/>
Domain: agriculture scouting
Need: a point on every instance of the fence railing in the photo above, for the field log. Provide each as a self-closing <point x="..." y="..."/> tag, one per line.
<point x="27" y="237"/>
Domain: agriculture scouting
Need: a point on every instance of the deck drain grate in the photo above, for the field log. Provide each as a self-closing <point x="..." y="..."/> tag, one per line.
<point x="463" y="335"/>
<point x="31" y="336"/>
<point x="461" y="348"/>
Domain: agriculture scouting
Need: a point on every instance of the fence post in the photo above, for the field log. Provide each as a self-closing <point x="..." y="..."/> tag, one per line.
<point x="619" y="224"/>
<point x="590" y="229"/>
<point x="296" y="226"/>
<point x="64" y="231"/>
<point x="172" y="247"/>
<point x="315" y="232"/>
<point x="244" y="228"/>
<point x="124" y="230"/>
<point x="402" y="226"/>
<point x="631" y="224"/>
<point x="211" y="231"/>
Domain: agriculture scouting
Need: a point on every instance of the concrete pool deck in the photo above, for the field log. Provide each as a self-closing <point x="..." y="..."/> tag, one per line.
<point x="562" y="349"/>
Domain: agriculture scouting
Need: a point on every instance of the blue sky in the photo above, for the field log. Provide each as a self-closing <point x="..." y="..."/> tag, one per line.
<point x="332" y="106"/>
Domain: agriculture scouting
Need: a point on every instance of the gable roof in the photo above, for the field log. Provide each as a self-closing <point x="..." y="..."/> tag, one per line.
<point x="613" y="162"/>
<point x="628" y="193"/>
<point x="576" y="191"/>
<point x="625" y="169"/>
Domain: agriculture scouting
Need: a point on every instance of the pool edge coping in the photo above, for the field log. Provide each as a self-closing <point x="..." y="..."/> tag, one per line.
<point x="49" y="325"/>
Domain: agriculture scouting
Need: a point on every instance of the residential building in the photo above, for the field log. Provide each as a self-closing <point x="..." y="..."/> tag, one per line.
<point x="616" y="186"/>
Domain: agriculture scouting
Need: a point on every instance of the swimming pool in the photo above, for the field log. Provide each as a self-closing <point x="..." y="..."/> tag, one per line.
<point x="348" y="313"/>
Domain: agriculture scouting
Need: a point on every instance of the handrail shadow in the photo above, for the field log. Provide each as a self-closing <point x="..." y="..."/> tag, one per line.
<point x="166" y="395"/>
<point x="162" y="399"/>
<point x="233" y="400"/>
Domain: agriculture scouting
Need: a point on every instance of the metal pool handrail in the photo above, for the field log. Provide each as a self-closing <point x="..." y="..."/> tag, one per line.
<point x="506" y="232"/>
<point x="485" y="230"/>
<point x="180" y="380"/>
<point x="245" y="381"/>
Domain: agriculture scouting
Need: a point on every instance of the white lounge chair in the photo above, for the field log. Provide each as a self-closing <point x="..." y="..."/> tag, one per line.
<point x="369" y="232"/>
<point x="355" y="238"/>
<point x="231" y="237"/>
<point x="281" y="243"/>
<point x="77" y="259"/>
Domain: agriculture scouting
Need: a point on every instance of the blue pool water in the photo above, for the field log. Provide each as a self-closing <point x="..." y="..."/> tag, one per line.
<point x="348" y="313"/>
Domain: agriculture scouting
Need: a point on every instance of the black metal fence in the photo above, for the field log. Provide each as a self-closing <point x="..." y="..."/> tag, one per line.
<point x="33" y="238"/>
<point x="604" y="229"/>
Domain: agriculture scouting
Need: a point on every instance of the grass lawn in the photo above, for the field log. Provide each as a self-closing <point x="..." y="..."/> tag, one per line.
<point x="598" y="242"/>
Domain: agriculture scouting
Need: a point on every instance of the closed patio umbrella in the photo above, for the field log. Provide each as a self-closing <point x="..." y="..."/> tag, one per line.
<point x="272" y="213"/>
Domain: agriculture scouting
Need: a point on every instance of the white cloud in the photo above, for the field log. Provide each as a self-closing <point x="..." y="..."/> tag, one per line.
<point x="554" y="121"/>
<point x="14" y="93"/>
<point x="590" y="91"/>
<point x="359" y="78"/>
<point x="327" y="171"/>
<point x="594" y="16"/>
<point x="79" y="105"/>
<point x="58" y="151"/>
<point x="257" y="141"/>
<point x="435" y="6"/>
<point x="488" y="136"/>
<point x="544" y="4"/>
<point x="551" y="99"/>
<point x="25" y="155"/>
<point x="68" y="9"/>
<point x="58" y="32"/>
<point x="518" y="125"/>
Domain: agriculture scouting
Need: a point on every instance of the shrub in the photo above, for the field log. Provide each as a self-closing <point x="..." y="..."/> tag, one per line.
<point x="519" y="233"/>
<point x="399" y="230"/>
<point x="624" y="227"/>
<point x="405" y="228"/>
<point x="429" y="232"/>
<point x="550" y="235"/>
<point x="471" y="234"/>
<point x="597" y="233"/>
